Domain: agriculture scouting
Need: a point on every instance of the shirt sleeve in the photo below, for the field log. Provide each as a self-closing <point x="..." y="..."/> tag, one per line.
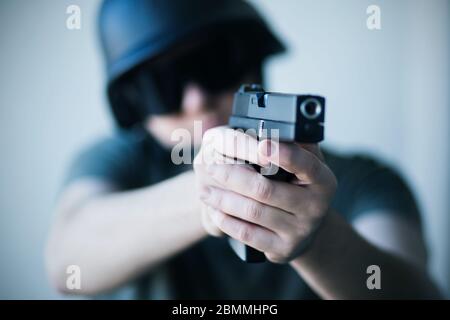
<point x="366" y="185"/>
<point x="117" y="159"/>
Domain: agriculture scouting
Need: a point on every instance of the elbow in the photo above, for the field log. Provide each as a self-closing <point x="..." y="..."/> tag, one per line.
<point x="66" y="278"/>
<point x="68" y="254"/>
<point x="63" y="274"/>
<point x="56" y="273"/>
<point x="59" y="273"/>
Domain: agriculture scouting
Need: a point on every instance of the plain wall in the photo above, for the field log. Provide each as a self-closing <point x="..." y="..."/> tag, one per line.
<point x="51" y="105"/>
<point x="387" y="94"/>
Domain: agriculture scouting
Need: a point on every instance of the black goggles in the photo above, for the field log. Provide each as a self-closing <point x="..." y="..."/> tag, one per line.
<point x="216" y="66"/>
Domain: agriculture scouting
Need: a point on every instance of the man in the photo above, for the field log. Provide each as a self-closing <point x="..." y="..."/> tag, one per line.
<point x="137" y="225"/>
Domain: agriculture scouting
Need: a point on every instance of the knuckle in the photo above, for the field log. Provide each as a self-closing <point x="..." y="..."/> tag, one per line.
<point x="217" y="199"/>
<point x="253" y="211"/>
<point x="288" y="155"/>
<point x="245" y="234"/>
<point x="263" y="188"/>
<point x="226" y="174"/>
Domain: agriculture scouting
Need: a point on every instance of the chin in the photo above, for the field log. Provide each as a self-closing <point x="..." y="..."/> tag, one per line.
<point x="212" y="123"/>
<point x="194" y="128"/>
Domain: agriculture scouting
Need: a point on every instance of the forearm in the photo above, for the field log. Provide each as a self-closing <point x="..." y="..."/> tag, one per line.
<point x="114" y="237"/>
<point x="335" y="267"/>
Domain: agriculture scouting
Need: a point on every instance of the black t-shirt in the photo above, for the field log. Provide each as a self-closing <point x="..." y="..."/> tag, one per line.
<point x="208" y="270"/>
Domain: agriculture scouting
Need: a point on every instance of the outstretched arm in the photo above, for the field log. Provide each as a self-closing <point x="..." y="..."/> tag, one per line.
<point x="114" y="236"/>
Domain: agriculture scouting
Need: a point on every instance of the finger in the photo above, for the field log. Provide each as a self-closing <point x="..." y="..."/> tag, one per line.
<point x="245" y="232"/>
<point x="314" y="148"/>
<point x="236" y="144"/>
<point x="274" y="219"/>
<point x="205" y="179"/>
<point x="209" y="155"/>
<point x="251" y="184"/>
<point x="305" y="165"/>
<point x="219" y="158"/>
<point x="208" y="224"/>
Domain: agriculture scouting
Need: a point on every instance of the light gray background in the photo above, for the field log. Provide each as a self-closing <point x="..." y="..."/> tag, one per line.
<point x="387" y="91"/>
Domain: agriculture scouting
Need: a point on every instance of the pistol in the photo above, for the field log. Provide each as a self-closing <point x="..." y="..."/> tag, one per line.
<point x="266" y="115"/>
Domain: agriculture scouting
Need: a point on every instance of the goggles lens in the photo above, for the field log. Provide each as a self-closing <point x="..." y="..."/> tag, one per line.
<point x="216" y="66"/>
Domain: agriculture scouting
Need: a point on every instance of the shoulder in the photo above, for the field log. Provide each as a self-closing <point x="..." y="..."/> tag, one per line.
<point x="355" y="169"/>
<point x="121" y="141"/>
<point x="115" y="158"/>
<point x="122" y="147"/>
<point x="355" y="164"/>
<point x="367" y="184"/>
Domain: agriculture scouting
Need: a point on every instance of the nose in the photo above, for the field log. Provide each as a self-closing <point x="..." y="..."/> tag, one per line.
<point x="194" y="100"/>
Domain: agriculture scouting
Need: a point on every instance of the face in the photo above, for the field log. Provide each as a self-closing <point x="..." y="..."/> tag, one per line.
<point x="196" y="105"/>
<point x="207" y="97"/>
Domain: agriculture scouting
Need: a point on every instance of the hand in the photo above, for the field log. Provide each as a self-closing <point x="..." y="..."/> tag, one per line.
<point x="273" y="217"/>
<point x="208" y="155"/>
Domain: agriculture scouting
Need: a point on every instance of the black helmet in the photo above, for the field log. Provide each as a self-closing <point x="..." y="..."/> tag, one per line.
<point x="132" y="32"/>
